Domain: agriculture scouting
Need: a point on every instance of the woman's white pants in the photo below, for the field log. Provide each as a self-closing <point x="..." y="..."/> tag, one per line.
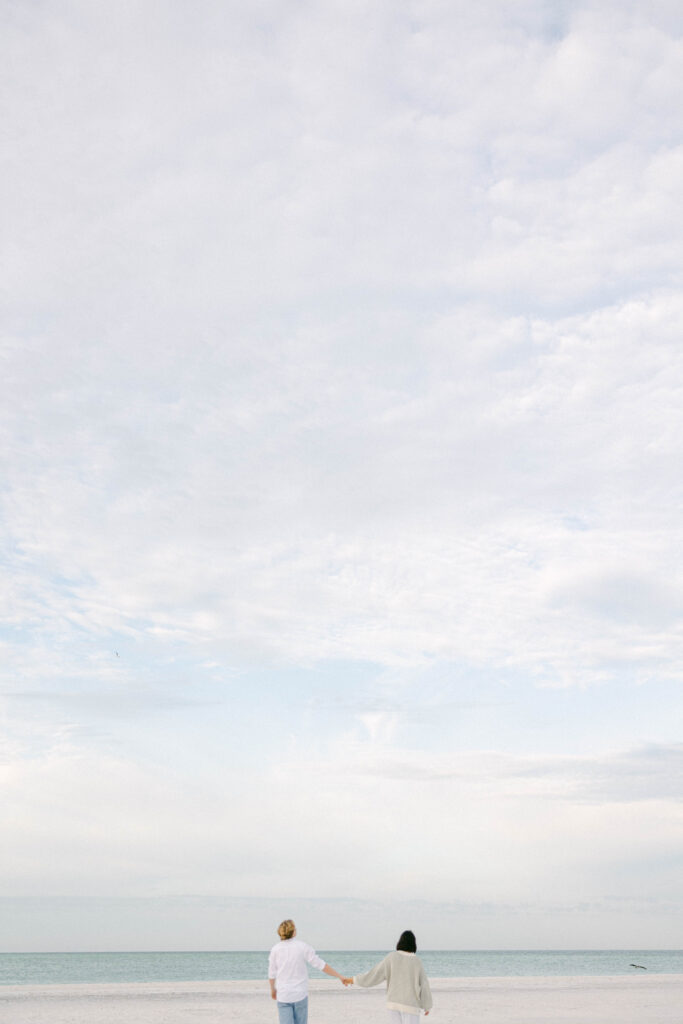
<point x="398" y="1017"/>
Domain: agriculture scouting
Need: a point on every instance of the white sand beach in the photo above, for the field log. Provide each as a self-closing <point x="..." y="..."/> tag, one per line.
<point x="641" y="999"/>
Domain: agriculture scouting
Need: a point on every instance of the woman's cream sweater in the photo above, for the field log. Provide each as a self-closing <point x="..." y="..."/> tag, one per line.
<point x="407" y="985"/>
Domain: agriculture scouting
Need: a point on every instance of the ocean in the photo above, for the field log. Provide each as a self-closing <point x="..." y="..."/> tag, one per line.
<point x="83" y="968"/>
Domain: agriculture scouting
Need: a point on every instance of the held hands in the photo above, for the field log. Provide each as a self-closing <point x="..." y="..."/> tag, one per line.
<point x="346" y="982"/>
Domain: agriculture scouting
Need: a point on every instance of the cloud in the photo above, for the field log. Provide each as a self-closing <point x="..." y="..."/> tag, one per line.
<point x="500" y="463"/>
<point x="340" y="338"/>
<point x="648" y="773"/>
<point x="83" y="822"/>
<point x="101" y="703"/>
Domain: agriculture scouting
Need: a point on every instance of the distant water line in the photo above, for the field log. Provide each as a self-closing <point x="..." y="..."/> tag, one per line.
<point x="131" y="967"/>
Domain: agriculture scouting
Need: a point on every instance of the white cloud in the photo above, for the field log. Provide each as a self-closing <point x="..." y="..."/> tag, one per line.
<point x="540" y="475"/>
<point x="378" y="823"/>
<point x="345" y="334"/>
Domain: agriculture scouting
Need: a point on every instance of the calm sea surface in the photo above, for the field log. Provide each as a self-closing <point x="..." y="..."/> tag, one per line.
<point x="77" y="968"/>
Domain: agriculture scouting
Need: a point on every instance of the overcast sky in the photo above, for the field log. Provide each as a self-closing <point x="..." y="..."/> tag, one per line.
<point x="341" y="421"/>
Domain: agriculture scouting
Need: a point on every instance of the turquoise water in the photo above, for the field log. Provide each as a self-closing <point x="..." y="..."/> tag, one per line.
<point x="77" y="968"/>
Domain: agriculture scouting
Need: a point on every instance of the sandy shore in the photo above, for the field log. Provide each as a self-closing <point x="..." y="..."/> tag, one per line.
<point x="638" y="999"/>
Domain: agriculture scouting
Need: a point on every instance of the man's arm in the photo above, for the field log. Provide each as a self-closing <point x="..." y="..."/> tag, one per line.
<point x="331" y="971"/>
<point x="273" y="990"/>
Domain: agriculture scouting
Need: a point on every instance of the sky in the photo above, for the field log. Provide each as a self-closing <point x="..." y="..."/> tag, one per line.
<point x="341" y="427"/>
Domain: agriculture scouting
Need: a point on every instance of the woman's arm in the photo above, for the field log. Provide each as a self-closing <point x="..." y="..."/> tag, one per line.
<point x="372" y="977"/>
<point x="425" y="991"/>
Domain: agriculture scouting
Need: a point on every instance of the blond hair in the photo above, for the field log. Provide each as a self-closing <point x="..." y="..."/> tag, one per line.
<point x="286" y="929"/>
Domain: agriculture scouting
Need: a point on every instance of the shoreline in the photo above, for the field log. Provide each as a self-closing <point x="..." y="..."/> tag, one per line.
<point x="590" y="999"/>
<point x="253" y="985"/>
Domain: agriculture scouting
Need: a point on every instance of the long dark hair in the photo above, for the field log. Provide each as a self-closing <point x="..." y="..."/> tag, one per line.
<point x="407" y="943"/>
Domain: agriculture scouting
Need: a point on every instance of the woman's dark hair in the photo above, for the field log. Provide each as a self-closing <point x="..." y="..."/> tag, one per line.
<point x="407" y="943"/>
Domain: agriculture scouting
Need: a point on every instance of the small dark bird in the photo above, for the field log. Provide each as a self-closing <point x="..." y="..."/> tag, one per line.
<point x="116" y="653"/>
<point x="639" y="966"/>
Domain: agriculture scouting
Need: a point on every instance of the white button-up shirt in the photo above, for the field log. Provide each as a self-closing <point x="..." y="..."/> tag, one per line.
<point x="287" y="967"/>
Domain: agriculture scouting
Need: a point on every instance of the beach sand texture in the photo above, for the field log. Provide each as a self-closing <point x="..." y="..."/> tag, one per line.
<point x="643" y="999"/>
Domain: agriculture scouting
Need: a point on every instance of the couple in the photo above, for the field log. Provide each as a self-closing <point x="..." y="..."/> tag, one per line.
<point x="408" y="990"/>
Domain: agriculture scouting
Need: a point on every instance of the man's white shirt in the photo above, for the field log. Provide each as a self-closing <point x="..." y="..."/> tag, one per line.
<point x="287" y="966"/>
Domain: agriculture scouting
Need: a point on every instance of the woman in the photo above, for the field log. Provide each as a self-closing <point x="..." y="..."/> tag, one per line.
<point x="288" y="976"/>
<point x="408" y="990"/>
